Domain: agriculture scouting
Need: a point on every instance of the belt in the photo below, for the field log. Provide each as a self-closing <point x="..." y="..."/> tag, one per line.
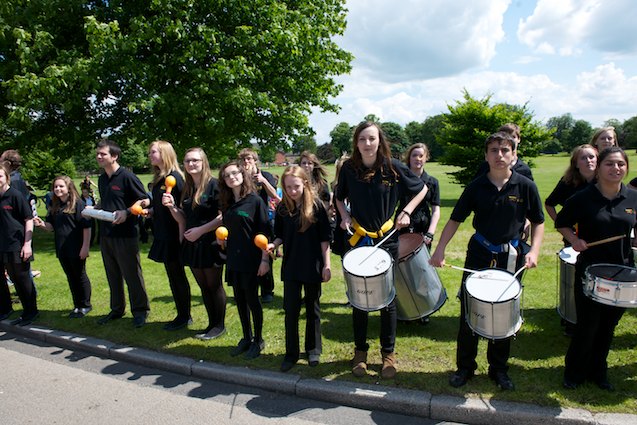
<point x="495" y="249"/>
<point x="360" y="231"/>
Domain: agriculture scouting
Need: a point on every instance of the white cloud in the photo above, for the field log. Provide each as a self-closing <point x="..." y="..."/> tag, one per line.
<point x="567" y="27"/>
<point x="412" y="39"/>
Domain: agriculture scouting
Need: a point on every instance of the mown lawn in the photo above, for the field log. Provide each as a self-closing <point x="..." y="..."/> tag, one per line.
<point x="426" y="353"/>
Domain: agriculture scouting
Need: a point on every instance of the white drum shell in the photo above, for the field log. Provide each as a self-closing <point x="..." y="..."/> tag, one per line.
<point x="611" y="284"/>
<point x="419" y="291"/>
<point x="493" y="303"/>
<point x="370" y="281"/>
<point x="566" y="307"/>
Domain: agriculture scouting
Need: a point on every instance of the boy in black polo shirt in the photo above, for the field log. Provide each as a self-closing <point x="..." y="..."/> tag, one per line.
<point x="501" y="200"/>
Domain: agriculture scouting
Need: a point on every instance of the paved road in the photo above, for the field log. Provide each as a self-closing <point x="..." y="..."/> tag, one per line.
<point x="40" y="383"/>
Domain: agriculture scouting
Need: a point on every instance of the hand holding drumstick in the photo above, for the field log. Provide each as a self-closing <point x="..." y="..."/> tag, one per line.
<point x="580" y="245"/>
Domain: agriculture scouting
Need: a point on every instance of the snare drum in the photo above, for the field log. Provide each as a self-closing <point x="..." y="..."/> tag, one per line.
<point x="369" y="275"/>
<point x="492" y="303"/>
<point x="611" y="284"/>
<point x="419" y="291"/>
<point x="566" y="307"/>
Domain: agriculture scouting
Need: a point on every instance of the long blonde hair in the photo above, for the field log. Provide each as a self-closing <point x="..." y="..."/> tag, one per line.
<point x="190" y="190"/>
<point x="71" y="203"/>
<point x="309" y="200"/>
<point x="169" y="161"/>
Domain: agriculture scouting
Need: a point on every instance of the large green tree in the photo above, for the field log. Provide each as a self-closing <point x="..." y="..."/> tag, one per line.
<point x="341" y="138"/>
<point x="219" y="74"/>
<point x="468" y="124"/>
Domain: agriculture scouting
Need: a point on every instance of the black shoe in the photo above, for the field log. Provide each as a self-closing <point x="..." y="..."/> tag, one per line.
<point x="5" y="316"/>
<point x="26" y="319"/>
<point x="255" y="350"/>
<point x="569" y="385"/>
<point x="242" y="347"/>
<point x="287" y="365"/>
<point x="83" y="312"/>
<point x="502" y="380"/>
<point x="313" y="360"/>
<point x="74" y="313"/>
<point x="139" y="321"/>
<point x="267" y="298"/>
<point x="109" y="317"/>
<point x="177" y="323"/>
<point x="605" y="385"/>
<point x="460" y="378"/>
<point x="213" y="333"/>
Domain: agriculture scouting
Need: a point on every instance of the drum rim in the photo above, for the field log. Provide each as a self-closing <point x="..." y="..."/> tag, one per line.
<point x="518" y="295"/>
<point x="391" y="263"/>
<point x="415" y="251"/>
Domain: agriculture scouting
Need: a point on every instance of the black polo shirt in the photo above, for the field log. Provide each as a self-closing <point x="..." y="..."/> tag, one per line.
<point x="69" y="230"/>
<point x="206" y="210"/>
<point x="14" y="211"/>
<point x="244" y="220"/>
<point x="302" y="255"/>
<point x="118" y="192"/>
<point x="165" y="227"/>
<point x="562" y="192"/>
<point x="598" y="218"/>
<point x="422" y="213"/>
<point x="499" y="215"/>
<point x="373" y="203"/>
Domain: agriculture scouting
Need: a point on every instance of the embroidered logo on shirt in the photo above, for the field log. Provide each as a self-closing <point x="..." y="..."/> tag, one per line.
<point x="115" y="187"/>
<point x="243" y="214"/>
<point x="7" y="207"/>
<point x="515" y="199"/>
<point x="630" y="211"/>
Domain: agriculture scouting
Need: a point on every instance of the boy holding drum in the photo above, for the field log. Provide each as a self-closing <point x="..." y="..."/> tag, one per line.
<point x="501" y="201"/>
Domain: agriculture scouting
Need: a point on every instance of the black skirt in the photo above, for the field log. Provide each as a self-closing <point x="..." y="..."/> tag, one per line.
<point x="202" y="253"/>
<point x="165" y="251"/>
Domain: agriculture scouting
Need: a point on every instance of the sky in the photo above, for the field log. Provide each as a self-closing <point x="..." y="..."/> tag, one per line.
<point x="415" y="57"/>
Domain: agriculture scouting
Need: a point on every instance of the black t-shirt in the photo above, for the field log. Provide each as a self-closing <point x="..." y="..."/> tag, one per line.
<point x="499" y="215"/>
<point x="562" y="192"/>
<point x="422" y="213"/>
<point x="69" y="230"/>
<point x="165" y="228"/>
<point x="302" y="256"/>
<point x="14" y="211"/>
<point x="519" y="167"/>
<point x="205" y="211"/>
<point x="261" y="190"/>
<point x="119" y="192"/>
<point x="598" y="218"/>
<point x="244" y="220"/>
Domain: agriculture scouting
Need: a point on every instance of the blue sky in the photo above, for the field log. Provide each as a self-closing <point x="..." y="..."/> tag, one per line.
<point x="414" y="57"/>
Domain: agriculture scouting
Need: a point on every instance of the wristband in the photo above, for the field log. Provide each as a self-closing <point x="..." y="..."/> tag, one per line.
<point x="429" y="235"/>
<point x="405" y="212"/>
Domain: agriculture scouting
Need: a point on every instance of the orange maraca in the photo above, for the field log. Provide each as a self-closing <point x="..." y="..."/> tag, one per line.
<point x="261" y="241"/>
<point x="136" y="209"/>
<point x="221" y="233"/>
<point x="170" y="182"/>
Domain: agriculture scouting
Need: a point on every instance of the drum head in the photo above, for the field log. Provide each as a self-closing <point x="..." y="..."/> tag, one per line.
<point x="409" y="243"/>
<point x="612" y="272"/>
<point x="357" y="263"/>
<point x="569" y="255"/>
<point x="493" y="285"/>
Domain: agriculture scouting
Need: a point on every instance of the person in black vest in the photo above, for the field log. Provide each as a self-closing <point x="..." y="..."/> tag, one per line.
<point x="501" y="200"/>
<point x="303" y="228"/>
<point x="601" y="210"/>
<point x="16" y="253"/>
<point x="372" y="181"/>
<point x="119" y="189"/>
<point x="72" y="241"/>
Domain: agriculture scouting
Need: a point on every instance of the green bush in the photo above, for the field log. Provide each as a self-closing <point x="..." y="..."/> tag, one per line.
<point x="40" y="168"/>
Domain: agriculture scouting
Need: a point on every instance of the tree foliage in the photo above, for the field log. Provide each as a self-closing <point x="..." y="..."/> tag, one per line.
<point x="218" y="74"/>
<point x="426" y="132"/>
<point x="468" y="124"/>
<point x="341" y="138"/>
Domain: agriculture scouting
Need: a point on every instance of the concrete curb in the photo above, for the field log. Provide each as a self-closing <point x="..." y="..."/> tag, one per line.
<point x="395" y="400"/>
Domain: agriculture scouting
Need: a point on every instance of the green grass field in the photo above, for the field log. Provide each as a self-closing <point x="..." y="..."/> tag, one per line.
<point x="426" y="354"/>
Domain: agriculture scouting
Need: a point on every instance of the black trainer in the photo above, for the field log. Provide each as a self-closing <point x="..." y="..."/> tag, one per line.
<point x="502" y="380"/>
<point x="460" y="378"/>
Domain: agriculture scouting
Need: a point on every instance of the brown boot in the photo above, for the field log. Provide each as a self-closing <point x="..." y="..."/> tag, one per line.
<point x="389" y="365"/>
<point x="359" y="363"/>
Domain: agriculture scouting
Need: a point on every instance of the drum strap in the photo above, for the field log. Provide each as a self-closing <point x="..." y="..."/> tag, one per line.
<point x="360" y="231"/>
<point x="495" y="249"/>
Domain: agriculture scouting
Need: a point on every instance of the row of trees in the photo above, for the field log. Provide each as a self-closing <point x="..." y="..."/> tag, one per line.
<point x="457" y="137"/>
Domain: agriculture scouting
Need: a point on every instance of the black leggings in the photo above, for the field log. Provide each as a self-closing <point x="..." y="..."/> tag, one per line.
<point x="180" y="288"/>
<point x="213" y="294"/>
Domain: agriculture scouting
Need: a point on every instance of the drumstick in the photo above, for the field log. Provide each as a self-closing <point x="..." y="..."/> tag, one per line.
<point x="378" y="245"/>
<point x="601" y="241"/>
<point x="479" y="273"/>
<point x="515" y="277"/>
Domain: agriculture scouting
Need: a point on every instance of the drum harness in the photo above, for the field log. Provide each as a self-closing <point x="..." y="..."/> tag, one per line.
<point x="509" y="247"/>
<point x="361" y="232"/>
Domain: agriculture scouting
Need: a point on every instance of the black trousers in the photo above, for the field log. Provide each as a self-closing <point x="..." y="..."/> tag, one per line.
<point x="20" y="274"/>
<point x="180" y="287"/>
<point x="591" y="341"/>
<point x="246" y="296"/>
<point x="79" y="283"/>
<point x="498" y="351"/>
<point x="266" y="282"/>
<point x="292" y="301"/>
<point x="121" y="262"/>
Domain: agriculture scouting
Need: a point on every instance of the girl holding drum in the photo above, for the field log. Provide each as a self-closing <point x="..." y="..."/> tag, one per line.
<point x="301" y="225"/>
<point x="199" y="217"/>
<point x="602" y="210"/>
<point x="501" y="200"/>
<point x="72" y="241"/>
<point x="425" y="217"/>
<point x="167" y="234"/>
<point x="245" y="215"/>
<point x="372" y="181"/>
